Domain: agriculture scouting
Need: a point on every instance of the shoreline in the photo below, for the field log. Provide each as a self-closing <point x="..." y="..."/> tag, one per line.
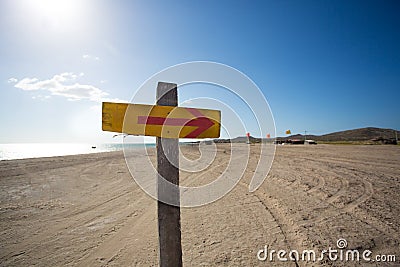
<point x="151" y="145"/>
<point x="45" y="150"/>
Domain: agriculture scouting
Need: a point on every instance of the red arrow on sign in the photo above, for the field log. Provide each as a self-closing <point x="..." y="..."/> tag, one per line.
<point x="202" y="123"/>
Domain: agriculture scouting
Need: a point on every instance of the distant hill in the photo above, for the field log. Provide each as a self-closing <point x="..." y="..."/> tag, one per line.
<point x="371" y="134"/>
<point x="362" y="134"/>
<point x="239" y="139"/>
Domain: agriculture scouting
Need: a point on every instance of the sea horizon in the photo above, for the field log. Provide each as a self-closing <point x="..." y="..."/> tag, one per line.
<point x="11" y="151"/>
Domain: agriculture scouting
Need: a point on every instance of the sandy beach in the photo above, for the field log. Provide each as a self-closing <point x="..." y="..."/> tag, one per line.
<point x="87" y="210"/>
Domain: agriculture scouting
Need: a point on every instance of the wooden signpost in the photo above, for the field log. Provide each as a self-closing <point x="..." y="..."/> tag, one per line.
<point x="168" y="123"/>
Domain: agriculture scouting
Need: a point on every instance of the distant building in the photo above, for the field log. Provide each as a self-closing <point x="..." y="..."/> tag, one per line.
<point x="310" y="142"/>
<point x="295" y="141"/>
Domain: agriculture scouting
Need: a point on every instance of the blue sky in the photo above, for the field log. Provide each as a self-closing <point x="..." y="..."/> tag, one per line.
<point x="323" y="66"/>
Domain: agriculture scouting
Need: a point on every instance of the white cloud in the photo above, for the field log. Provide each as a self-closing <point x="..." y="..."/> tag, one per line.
<point x="64" y="85"/>
<point x="12" y="80"/>
<point x="90" y="57"/>
<point x="27" y="84"/>
<point x="40" y="97"/>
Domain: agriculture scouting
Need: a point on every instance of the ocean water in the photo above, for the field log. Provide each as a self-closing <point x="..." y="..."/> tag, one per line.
<point x="38" y="150"/>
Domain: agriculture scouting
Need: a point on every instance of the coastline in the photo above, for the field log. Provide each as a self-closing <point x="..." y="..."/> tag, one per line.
<point x="38" y="150"/>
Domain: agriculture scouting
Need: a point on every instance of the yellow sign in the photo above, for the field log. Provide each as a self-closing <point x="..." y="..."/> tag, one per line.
<point x="161" y="121"/>
<point x="288" y="132"/>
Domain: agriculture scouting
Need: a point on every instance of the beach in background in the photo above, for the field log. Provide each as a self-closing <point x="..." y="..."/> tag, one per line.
<point x="38" y="150"/>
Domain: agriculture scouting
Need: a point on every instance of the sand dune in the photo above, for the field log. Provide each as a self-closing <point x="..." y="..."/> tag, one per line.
<point x="86" y="210"/>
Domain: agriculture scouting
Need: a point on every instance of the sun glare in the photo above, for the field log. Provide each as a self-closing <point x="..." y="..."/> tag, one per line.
<point x="58" y="14"/>
<point x="56" y="8"/>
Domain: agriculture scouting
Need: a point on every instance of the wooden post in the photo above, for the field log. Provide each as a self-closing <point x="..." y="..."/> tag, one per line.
<point x="169" y="222"/>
